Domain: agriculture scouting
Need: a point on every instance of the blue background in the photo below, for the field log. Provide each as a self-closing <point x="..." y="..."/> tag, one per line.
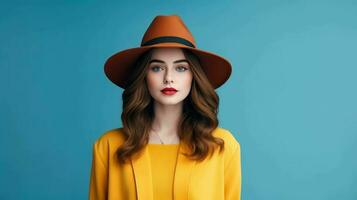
<point x="291" y="100"/>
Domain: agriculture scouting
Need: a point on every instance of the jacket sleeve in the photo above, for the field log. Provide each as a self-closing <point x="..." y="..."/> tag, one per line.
<point x="99" y="175"/>
<point x="233" y="177"/>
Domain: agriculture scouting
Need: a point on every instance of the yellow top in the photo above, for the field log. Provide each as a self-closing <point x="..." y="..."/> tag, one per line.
<point x="215" y="178"/>
<point x="163" y="162"/>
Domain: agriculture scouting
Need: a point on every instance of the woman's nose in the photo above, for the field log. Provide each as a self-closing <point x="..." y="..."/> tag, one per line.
<point x="167" y="81"/>
<point x="167" y="77"/>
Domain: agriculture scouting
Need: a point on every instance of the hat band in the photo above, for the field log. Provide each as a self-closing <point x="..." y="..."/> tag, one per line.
<point x="165" y="39"/>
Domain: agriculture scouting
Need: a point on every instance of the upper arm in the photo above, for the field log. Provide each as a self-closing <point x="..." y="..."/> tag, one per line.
<point x="233" y="176"/>
<point x="99" y="175"/>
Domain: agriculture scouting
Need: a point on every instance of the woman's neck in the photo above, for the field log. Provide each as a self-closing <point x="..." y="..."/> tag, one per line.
<point x="166" y="121"/>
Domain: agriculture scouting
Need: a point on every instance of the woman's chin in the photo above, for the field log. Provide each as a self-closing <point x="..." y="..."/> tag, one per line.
<point x="169" y="102"/>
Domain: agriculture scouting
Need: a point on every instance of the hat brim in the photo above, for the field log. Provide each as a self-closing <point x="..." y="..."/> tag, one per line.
<point x="117" y="67"/>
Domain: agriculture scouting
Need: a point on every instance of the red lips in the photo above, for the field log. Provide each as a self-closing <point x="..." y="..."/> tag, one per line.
<point x="169" y="89"/>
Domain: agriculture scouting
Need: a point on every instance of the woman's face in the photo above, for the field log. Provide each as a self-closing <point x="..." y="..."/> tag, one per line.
<point x="168" y="68"/>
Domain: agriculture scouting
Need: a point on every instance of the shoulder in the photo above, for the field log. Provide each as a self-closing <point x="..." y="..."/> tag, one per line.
<point x="231" y="144"/>
<point x="113" y="138"/>
<point x="227" y="136"/>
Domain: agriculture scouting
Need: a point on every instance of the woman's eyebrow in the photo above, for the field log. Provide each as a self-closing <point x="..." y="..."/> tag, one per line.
<point x="156" y="60"/>
<point x="182" y="60"/>
<point x="160" y="61"/>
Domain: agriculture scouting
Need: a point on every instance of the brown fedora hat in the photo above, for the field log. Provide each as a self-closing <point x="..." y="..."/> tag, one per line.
<point x="167" y="31"/>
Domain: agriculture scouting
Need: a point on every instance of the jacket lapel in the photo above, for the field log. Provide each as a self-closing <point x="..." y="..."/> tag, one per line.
<point x="142" y="174"/>
<point x="143" y="177"/>
<point x="183" y="170"/>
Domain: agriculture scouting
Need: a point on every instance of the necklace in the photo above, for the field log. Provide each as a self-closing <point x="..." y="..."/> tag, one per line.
<point x="161" y="141"/>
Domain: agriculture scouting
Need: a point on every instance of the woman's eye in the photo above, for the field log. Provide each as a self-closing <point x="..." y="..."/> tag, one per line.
<point x="155" y="68"/>
<point x="181" y="68"/>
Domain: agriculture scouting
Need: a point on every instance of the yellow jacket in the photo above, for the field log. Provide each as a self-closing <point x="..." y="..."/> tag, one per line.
<point x="217" y="178"/>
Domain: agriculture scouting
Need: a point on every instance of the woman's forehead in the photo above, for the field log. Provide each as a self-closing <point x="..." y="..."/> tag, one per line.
<point x="167" y="54"/>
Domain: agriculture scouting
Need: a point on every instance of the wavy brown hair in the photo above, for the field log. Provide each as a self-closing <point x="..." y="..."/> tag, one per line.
<point x="198" y="119"/>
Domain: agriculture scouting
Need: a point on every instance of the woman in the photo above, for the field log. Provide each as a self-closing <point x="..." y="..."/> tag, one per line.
<point x="170" y="145"/>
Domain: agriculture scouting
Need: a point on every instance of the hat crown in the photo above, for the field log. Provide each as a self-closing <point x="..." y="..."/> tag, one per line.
<point x="167" y="26"/>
